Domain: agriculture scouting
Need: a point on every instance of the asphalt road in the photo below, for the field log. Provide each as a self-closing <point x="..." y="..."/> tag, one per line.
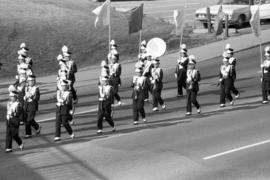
<point x="228" y="143"/>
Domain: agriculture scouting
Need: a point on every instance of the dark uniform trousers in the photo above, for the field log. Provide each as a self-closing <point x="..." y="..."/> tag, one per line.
<point x="192" y="89"/>
<point x="192" y="99"/>
<point x="62" y="117"/>
<point x="116" y="81"/>
<point x="233" y="89"/>
<point x="72" y="89"/>
<point x="138" y="107"/>
<point x="156" y="92"/>
<point x="12" y="132"/>
<point x="31" y="108"/>
<point x="225" y="90"/>
<point x="104" y="110"/>
<point x="147" y="86"/>
<point x="265" y="84"/>
<point x="181" y="80"/>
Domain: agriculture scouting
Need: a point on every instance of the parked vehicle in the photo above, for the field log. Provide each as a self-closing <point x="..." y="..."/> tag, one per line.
<point x="264" y="9"/>
<point x="238" y="12"/>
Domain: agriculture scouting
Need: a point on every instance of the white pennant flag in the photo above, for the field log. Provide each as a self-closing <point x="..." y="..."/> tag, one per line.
<point x="179" y="19"/>
<point x="102" y="14"/>
<point x="255" y="23"/>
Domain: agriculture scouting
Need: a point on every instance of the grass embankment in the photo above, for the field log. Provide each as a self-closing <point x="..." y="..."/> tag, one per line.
<point x="46" y="25"/>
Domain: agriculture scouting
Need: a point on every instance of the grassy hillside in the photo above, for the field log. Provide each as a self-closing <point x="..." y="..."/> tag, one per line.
<point x="45" y="25"/>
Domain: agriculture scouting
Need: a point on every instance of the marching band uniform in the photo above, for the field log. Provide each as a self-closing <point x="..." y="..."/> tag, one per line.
<point x="226" y="78"/>
<point x="138" y="95"/>
<point x="105" y="99"/>
<point x="14" y="110"/>
<point x="232" y="62"/>
<point x="192" y="86"/>
<point x="63" y="108"/>
<point x="115" y="73"/>
<point x="105" y="72"/>
<point x="181" y="71"/>
<point x="71" y="67"/>
<point x="19" y="87"/>
<point x="148" y="65"/>
<point x="157" y="85"/>
<point x="31" y="98"/>
<point x="266" y="76"/>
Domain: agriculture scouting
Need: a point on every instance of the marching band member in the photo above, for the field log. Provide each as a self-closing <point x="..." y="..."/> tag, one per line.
<point x="113" y="52"/>
<point x="181" y="70"/>
<point x="226" y="78"/>
<point x="138" y="95"/>
<point x="14" y="109"/>
<point x="148" y="65"/>
<point x="157" y="85"/>
<point x="115" y="73"/>
<point x="24" y="51"/>
<point x="72" y="70"/>
<point x="114" y="48"/>
<point x="140" y="62"/>
<point x="105" y="100"/>
<point x="63" y="108"/>
<point x="32" y="96"/>
<point x="192" y="85"/>
<point x="105" y="72"/>
<point x="21" y="60"/>
<point x="143" y="52"/>
<point x="19" y="87"/>
<point x="266" y="76"/>
<point x="232" y="62"/>
<point x="142" y="57"/>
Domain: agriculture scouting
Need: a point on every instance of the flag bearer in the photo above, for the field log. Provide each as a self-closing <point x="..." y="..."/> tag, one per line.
<point x="105" y="99"/>
<point x="266" y="76"/>
<point x="226" y="78"/>
<point x="232" y="62"/>
<point x="192" y="85"/>
<point x="63" y="108"/>
<point x="138" y="95"/>
<point x="181" y="70"/>
<point x="31" y="97"/>
<point x="14" y="110"/>
<point x="115" y="73"/>
<point x="157" y="85"/>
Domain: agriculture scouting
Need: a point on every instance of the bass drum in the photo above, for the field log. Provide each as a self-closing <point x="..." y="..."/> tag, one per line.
<point x="156" y="47"/>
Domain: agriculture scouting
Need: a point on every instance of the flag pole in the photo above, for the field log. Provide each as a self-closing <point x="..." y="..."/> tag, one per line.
<point x="223" y="33"/>
<point x="109" y="19"/>
<point x="140" y="38"/>
<point x="182" y="33"/>
<point x="260" y="39"/>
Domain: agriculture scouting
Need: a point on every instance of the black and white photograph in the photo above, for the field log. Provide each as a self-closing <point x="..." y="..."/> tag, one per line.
<point x="134" y="89"/>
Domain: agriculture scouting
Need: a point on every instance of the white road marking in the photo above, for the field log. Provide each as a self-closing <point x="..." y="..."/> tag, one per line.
<point x="236" y="150"/>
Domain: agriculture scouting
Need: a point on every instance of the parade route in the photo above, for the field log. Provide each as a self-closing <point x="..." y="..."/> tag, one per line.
<point x="179" y="142"/>
<point x="230" y="143"/>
